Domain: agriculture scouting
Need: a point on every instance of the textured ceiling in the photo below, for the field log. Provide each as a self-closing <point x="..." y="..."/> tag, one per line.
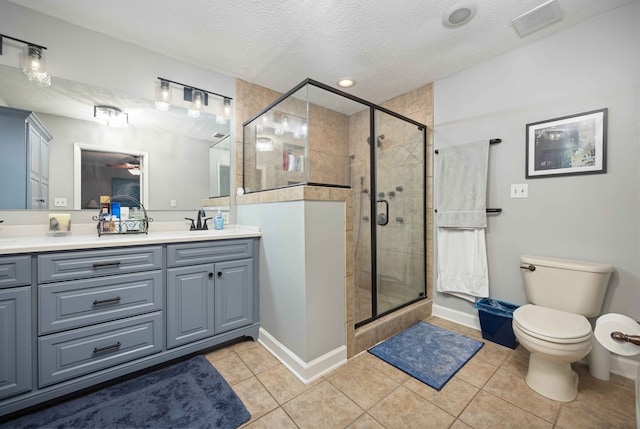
<point x="389" y="47"/>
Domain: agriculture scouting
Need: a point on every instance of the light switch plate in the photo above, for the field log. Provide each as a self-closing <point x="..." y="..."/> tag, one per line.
<point x="520" y="191"/>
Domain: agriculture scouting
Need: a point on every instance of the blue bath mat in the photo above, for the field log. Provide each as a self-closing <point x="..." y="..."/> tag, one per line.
<point x="428" y="353"/>
<point x="189" y="394"/>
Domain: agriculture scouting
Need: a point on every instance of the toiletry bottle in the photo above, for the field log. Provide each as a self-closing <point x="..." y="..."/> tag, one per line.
<point x="218" y="220"/>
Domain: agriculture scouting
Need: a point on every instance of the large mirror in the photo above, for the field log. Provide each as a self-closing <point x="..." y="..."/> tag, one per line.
<point x="181" y="159"/>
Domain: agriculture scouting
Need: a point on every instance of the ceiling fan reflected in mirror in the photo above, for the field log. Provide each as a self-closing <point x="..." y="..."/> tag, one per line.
<point x="131" y="163"/>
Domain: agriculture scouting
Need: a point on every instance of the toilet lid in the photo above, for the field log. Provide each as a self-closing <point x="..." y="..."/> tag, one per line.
<point x="552" y="325"/>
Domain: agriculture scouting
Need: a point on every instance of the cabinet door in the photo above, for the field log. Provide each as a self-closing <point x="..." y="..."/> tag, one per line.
<point x="15" y="341"/>
<point x="189" y="304"/>
<point x="234" y="294"/>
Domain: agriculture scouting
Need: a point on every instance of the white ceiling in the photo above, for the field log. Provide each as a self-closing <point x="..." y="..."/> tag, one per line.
<point x="389" y="46"/>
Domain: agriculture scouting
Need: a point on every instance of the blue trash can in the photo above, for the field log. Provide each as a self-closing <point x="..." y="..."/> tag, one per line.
<point x="496" y="318"/>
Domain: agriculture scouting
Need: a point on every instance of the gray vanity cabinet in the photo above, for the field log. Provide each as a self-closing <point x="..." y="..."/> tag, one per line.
<point x="72" y="319"/>
<point x="204" y="299"/>
<point x="98" y="309"/>
<point x="15" y="325"/>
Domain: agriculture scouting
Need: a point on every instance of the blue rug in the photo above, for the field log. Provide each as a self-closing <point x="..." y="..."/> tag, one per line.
<point x="189" y="394"/>
<point x="428" y="353"/>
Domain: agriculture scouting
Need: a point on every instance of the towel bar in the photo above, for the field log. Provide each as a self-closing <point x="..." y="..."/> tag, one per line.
<point x="487" y="210"/>
<point x="492" y="141"/>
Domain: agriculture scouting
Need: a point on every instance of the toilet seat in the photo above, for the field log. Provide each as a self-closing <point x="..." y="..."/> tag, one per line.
<point x="552" y="325"/>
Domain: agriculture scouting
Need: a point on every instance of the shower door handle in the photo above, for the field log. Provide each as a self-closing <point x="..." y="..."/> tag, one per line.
<point x="383" y="218"/>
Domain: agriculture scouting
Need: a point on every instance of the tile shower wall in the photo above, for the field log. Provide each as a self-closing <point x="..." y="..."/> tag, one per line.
<point x="327" y="140"/>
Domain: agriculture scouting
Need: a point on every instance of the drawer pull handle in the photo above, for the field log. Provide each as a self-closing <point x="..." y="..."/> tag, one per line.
<point x="107" y="301"/>
<point x="107" y="348"/>
<point x="106" y="264"/>
<point x="219" y="273"/>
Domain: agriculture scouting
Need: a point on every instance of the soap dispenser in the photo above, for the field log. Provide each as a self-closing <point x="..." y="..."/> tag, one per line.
<point x="218" y="220"/>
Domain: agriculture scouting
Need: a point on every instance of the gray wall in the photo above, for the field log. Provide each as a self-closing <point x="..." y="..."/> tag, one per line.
<point x="590" y="217"/>
<point x="302" y="270"/>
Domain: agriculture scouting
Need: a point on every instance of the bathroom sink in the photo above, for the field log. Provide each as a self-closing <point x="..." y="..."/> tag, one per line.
<point x="8" y="240"/>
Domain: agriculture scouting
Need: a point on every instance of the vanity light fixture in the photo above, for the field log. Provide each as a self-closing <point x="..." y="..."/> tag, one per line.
<point x="111" y="116"/>
<point x="163" y="95"/>
<point x="34" y="62"/>
<point x="197" y="98"/>
<point x="225" y="112"/>
<point x="197" y="103"/>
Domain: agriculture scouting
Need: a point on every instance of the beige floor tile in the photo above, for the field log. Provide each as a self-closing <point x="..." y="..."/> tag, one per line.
<point x="453" y="398"/>
<point x="476" y="371"/>
<point x="362" y="384"/>
<point x="255" y="397"/>
<point x="582" y="415"/>
<point x="389" y="370"/>
<point x="281" y="383"/>
<point x="491" y="352"/>
<point x="365" y="421"/>
<point x="322" y="407"/>
<point x="490" y="412"/>
<point x="232" y="369"/>
<point x="512" y="388"/>
<point x="218" y="354"/>
<point x="406" y="409"/>
<point x="601" y="394"/>
<point x="277" y="419"/>
<point x="258" y="358"/>
<point x="517" y="361"/>
<point x="459" y="424"/>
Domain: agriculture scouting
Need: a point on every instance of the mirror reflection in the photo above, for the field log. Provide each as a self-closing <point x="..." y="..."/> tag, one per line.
<point x="185" y="159"/>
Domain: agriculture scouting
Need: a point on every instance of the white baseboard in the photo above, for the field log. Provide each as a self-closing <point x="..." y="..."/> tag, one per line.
<point x="620" y="365"/>
<point x="307" y="372"/>
<point x="468" y="320"/>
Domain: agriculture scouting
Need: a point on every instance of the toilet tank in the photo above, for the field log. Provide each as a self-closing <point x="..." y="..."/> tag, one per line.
<point x="565" y="284"/>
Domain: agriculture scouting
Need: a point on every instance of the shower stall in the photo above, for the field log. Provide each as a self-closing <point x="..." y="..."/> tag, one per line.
<point x="317" y="135"/>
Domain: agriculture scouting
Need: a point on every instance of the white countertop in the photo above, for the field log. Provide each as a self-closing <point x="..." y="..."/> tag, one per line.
<point x="19" y="241"/>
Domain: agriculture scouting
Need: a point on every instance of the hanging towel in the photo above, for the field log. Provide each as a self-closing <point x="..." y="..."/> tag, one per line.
<point x="462" y="263"/>
<point x="461" y="185"/>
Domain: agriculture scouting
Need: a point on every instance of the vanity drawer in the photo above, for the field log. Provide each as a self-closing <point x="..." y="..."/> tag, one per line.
<point x="179" y="255"/>
<point x="77" y="303"/>
<point x="15" y="271"/>
<point x="82" y="351"/>
<point x="96" y="263"/>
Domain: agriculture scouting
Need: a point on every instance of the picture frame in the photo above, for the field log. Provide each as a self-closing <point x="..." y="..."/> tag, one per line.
<point x="569" y="145"/>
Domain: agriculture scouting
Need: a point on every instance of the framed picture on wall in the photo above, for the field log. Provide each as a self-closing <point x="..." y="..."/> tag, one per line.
<point x="575" y="144"/>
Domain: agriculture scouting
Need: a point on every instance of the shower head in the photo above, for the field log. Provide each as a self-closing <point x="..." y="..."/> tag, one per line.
<point x="378" y="140"/>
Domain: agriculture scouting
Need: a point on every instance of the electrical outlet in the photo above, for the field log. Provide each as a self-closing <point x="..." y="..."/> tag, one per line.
<point x="60" y="202"/>
<point x="520" y="191"/>
<point x="173" y="203"/>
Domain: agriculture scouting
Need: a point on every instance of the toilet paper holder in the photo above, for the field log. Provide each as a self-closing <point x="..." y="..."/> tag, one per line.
<point x="619" y="336"/>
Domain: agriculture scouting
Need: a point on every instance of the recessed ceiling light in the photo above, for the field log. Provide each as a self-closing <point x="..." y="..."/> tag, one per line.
<point x="346" y="82"/>
<point x="459" y="14"/>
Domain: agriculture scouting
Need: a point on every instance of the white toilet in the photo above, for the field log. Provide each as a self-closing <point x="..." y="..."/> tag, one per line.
<point x="554" y="327"/>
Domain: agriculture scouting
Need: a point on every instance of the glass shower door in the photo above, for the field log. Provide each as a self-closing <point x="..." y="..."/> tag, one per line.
<point x="400" y="217"/>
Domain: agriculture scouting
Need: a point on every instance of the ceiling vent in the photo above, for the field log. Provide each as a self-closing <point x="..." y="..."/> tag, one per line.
<point x="536" y="18"/>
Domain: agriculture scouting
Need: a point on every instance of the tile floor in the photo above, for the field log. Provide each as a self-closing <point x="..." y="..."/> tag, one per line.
<point x="366" y="393"/>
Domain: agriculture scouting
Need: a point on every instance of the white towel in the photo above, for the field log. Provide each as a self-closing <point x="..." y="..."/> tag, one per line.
<point x="461" y="185"/>
<point x="462" y="263"/>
